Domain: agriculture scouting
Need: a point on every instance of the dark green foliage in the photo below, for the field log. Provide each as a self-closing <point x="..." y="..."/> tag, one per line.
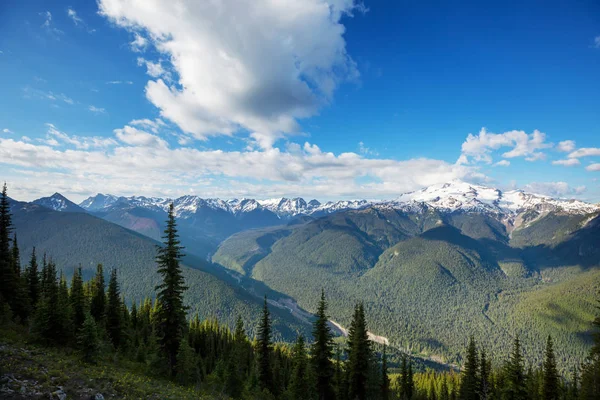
<point x="186" y="369"/>
<point x="88" y="339"/>
<point x="52" y="317"/>
<point x="8" y="277"/>
<point x="515" y="385"/>
<point x="470" y="383"/>
<point x="550" y="384"/>
<point x="485" y="369"/>
<point x="590" y="372"/>
<point x="445" y="394"/>
<point x="300" y="382"/>
<point x="78" y="300"/>
<point x="385" y="379"/>
<point x="171" y="315"/>
<point x="32" y="279"/>
<point x="322" y="351"/>
<point x="114" y="315"/>
<point x="263" y="350"/>
<point x="359" y="354"/>
<point x="98" y="302"/>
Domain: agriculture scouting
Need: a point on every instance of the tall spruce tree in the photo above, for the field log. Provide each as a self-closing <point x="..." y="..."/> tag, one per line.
<point x="171" y="315"/>
<point x="550" y="385"/>
<point x="32" y="279"/>
<point x="8" y="278"/>
<point x="339" y="378"/>
<point x="88" y="339"/>
<point x="485" y="387"/>
<point x="515" y="386"/>
<point x="359" y="355"/>
<point x="113" y="310"/>
<point x="299" y="381"/>
<point x="470" y="384"/>
<point x="263" y="351"/>
<point x="77" y="297"/>
<point x="322" y="352"/>
<point x="98" y="302"/>
<point x="410" y="391"/>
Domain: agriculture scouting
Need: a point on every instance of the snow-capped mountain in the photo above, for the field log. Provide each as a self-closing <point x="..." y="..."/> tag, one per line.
<point x="58" y="202"/>
<point x="455" y="196"/>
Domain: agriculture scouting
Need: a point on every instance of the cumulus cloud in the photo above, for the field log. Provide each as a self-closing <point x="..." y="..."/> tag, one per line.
<point x="502" y="163"/>
<point x="154" y="69"/>
<point x="593" y="167"/>
<point x="569" y="162"/>
<point x="144" y="157"/>
<point x="6" y="130"/>
<point x="479" y="147"/>
<point x="96" y="110"/>
<point x="241" y="65"/>
<point x="139" y="43"/>
<point x="554" y="189"/>
<point x="566" y="146"/>
<point x="56" y="137"/>
<point x="585" y="152"/>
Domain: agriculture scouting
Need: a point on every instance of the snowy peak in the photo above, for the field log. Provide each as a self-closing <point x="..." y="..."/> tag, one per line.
<point x="98" y="202"/>
<point x="58" y="202"/>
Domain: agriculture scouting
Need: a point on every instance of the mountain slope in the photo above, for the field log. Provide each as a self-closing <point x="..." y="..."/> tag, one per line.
<point x="58" y="202"/>
<point x="73" y="239"/>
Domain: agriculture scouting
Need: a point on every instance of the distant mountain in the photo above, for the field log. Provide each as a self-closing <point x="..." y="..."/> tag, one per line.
<point x="58" y="202"/>
<point x="81" y="239"/>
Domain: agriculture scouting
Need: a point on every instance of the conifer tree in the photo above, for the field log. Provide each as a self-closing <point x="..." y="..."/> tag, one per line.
<point x="444" y="393"/>
<point x="264" y="374"/>
<point x="113" y="310"/>
<point x="339" y="376"/>
<point x="470" y="385"/>
<point x="322" y="352"/>
<point x="484" y="377"/>
<point x="432" y="395"/>
<point x="8" y="278"/>
<point x="64" y="314"/>
<point x="77" y="298"/>
<point x="574" y="385"/>
<point x="590" y="372"/>
<point x="385" y="379"/>
<point x="410" y="390"/>
<point x="98" y="302"/>
<point x="21" y="305"/>
<point x="359" y="354"/>
<point x="186" y="369"/>
<point x="514" y="387"/>
<point x="550" y="386"/>
<point x="299" y="383"/>
<point x="16" y="256"/>
<point x="32" y="280"/>
<point x="404" y="379"/>
<point x="171" y="314"/>
<point x="88" y="339"/>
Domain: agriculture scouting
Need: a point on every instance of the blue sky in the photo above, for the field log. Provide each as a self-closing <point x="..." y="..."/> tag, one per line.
<point x="326" y="99"/>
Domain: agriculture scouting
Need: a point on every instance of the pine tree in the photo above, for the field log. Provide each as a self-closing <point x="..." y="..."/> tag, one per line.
<point x="590" y="372"/>
<point x="385" y="379"/>
<point x="88" y="339"/>
<point x="98" y="302"/>
<point x="470" y="385"/>
<point x="186" y="369"/>
<point x="265" y="377"/>
<point x="359" y="354"/>
<point x="8" y="278"/>
<point x="550" y="386"/>
<point x="484" y="377"/>
<point x="404" y="379"/>
<point x="32" y="280"/>
<point x="21" y="305"/>
<point x="64" y="313"/>
<point x="171" y="315"/>
<point x="514" y="387"/>
<point x="410" y="382"/>
<point x="77" y="298"/>
<point x="113" y="310"/>
<point x="299" y="382"/>
<point x="574" y="385"/>
<point x="339" y="377"/>
<point x="444" y="393"/>
<point x="16" y="256"/>
<point x="322" y="351"/>
<point x="432" y="395"/>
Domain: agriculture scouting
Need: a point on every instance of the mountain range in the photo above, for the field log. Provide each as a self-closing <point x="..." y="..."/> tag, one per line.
<point x="426" y="264"/>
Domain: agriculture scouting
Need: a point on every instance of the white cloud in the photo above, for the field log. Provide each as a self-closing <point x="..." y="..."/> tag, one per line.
<point x="362" y="149"/>
<point x="566" y="146"/>
<point x="554" y="189"/>
<point x="49" y="27"/>
<point x="585" y="152"/>
<point x="139" y="43"/>
<point x="155" y="70"/>
<point x="241" y="65"/>
<point x="6" y="130"/>
<point x="55" y="137"/>
<point x="154" y="126"/>
<point x="119" y="83"/>
<point x="96" y="110"/>
<point x="502" y="163"/>
<point x="593" y="167"/>
<point x="597" y="42"/>
<point x="479" y="147"/>
<point x="78" y="21"/>
<point x="29" y="92"/>
<point x="135" y="137"/>
<point x="569" y="162"/>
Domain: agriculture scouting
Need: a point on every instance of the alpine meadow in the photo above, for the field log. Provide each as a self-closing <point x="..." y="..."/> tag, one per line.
<point x="300" y="200"/>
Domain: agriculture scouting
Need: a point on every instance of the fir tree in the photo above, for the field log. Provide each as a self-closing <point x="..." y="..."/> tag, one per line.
<point x="77" y="298"/>
<point x="16" y="256"/>
<point x="32" y="279"/>
<point x="88" y="339"/>
<point x="64" y="313"/>
<point x="404" y="378"/>
<point x="574" y="385"/>
<point x="339" y="377"/>
<point x="98" y="302"/>
<point x="322" y="352"/>
<point x="590" y="372"/>
<point x="186" y="369"/>
<point x="359" y="354"/>
<point x="484" y="377"/>
<point x="470" y="385"/>
<point x="444" y="393"/>
<point x="113" y="310"/>
<point x="170" y="318"/>
<point x="299" y="382"/>
<point x="385" y="379"/>
<point x="410" y="389"/>
<point x="550" y="386"/>
<point x="514" y="387"/>
<point x="21" y="305"/>
<point x="8" y="278"/>
<point x="432" y="395"/>
<point x="264" y="374"/>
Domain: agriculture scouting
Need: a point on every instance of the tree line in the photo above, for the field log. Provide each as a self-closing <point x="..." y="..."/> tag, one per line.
<point x="156" y="335"/>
